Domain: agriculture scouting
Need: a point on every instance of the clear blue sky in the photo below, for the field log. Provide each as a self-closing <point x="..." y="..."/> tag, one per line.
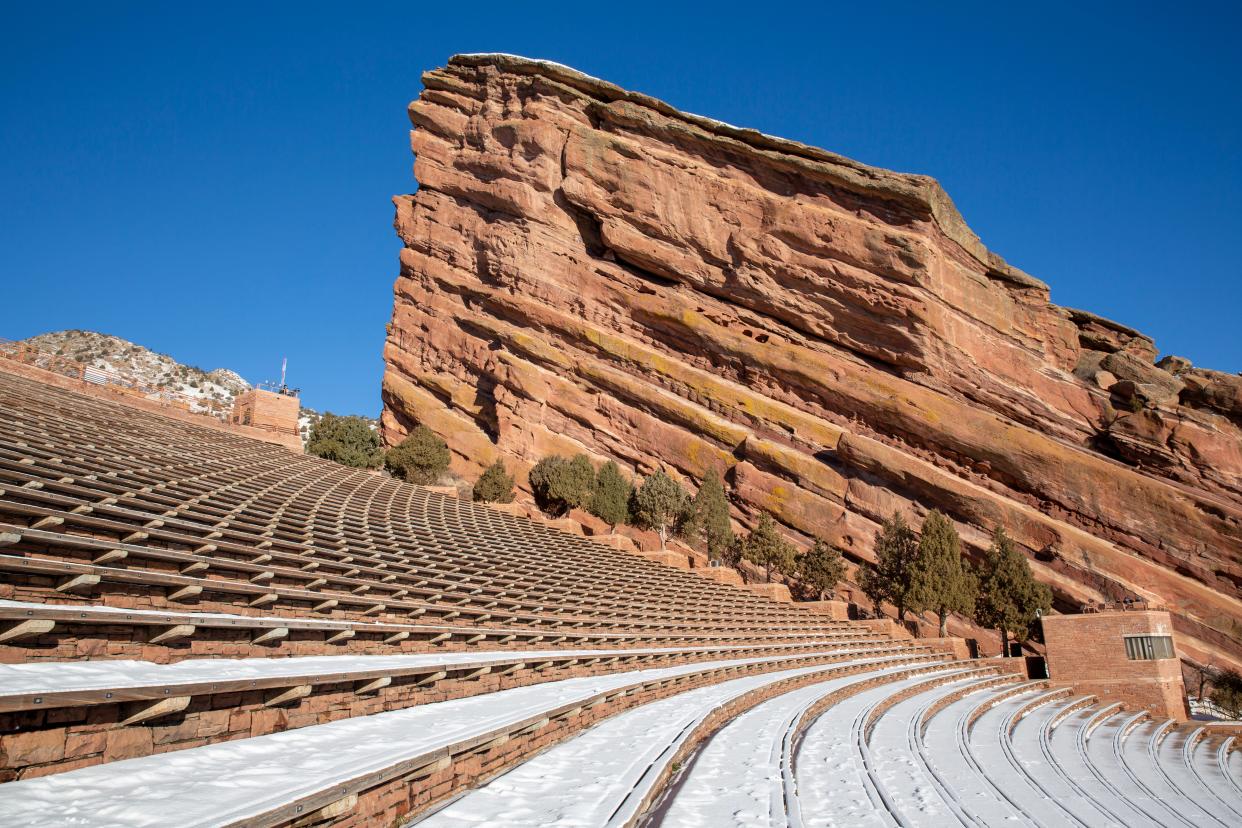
<point x="213" y="180"/>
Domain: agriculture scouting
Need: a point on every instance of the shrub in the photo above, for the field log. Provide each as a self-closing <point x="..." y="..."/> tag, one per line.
<point x="420" y="458"/>
<point x="819" y="569"/>
<point x="1227" y="692"/>
<point x="495" y="485"/>
<point x="560" y="485"/>
<point x="348" y="440"/>
<point x="765" y="546"/>
<point x="610" y="501"/>
<point x="660" y="504"/>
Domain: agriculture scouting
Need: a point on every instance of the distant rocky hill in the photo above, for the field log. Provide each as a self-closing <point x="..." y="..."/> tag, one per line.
<point x="207" y="390"/>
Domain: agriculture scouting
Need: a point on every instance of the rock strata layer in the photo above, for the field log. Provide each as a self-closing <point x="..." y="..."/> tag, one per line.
<point x="588" y="269"/>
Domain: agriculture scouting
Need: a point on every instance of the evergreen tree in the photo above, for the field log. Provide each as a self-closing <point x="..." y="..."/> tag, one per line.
<point x="420" y="458"/>
<point x="495" y="485"/>
<point x="711" y="510"/>
<point x="731" y="555"/>
<point x="873" y="586"/>
<point x="348" y="440"/>
<point x="610" y="502"/>
<point x="942" y="579"/>
<point x="1009" y="596"/>
<point x="896" y="550"/>
<point x="660" y="504"/>
<point x="819" y="569"/>
<point x="765" y="546"/>
<point x="560" y="485"/>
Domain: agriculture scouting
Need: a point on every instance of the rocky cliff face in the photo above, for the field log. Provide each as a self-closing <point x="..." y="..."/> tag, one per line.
<point x="588" y="269"/>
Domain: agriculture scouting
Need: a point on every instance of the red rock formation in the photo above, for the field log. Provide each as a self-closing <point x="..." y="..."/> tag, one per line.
<point x="588" y="269"/>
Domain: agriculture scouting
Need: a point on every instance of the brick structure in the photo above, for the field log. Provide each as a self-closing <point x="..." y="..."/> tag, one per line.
<point x="1125" y="656"/>
<point x="271" y="412"/>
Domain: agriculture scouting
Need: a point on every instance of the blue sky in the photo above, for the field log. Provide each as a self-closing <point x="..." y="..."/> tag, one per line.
<point x="213" y="180"/>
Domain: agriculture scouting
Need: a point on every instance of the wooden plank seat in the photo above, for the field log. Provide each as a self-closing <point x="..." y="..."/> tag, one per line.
<point x="43" y="621"/>
<point x="210" y="564"/>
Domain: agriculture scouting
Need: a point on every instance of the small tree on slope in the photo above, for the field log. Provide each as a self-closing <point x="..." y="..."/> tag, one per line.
<point x="560" y="485"/>
<point x="942" y="579"/>
<point x="1009" y="596"/>
<point x="495" y="485"/>
<point x="610" y="502"/>
<point x="765" y="546"/>
<point x="711" y="510"/>
<point x="420" y="458"/>
<point x="896" y="550"/>
<point x="819" y="569"/>
<point x="660" y="504"/>
<point x="348" y="440"/>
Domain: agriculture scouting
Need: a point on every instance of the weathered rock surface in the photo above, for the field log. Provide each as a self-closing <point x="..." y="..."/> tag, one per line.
<point x="588" y="269"/>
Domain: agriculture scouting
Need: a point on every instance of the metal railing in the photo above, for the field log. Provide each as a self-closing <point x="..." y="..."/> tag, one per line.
<point x="28" y="354"/>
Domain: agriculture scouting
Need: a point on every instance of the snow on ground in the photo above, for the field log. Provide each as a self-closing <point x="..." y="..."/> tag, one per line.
<point x="601" y="776"/>
<point x="895" y="761"/>
<point x="737" y="777"/>
<point x="833" y="785"/>
<point x="947" y="757"/>
<point x="220" y="783"/>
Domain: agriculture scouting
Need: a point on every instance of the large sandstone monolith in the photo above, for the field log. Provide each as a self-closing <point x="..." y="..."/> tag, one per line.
<point x="588" y="269"/>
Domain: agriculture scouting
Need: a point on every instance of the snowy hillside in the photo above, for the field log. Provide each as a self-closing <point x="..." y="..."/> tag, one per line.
<point x="209" y="391"/>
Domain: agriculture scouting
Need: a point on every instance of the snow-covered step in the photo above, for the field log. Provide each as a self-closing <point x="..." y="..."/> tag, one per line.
<point x="1105" y="755"/>
<point x="833" y="783"/>
<point x="311" y="766"/>
<point x="603" y="776"/>
<point x="1029" y="744"/>
<point x="910" y="787"/>
<point x="1171" y="784"/>
<point x="988" y="741"/>
<point x="743" y="776"/>
<point x="947" y="756"/>
<point x="1091" y="794"/>
<point x="85" y="682"/>
<point x="1192" y="758"/>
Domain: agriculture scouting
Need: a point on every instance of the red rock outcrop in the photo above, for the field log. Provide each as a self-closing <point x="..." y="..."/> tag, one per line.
<point x="589" y="269"/>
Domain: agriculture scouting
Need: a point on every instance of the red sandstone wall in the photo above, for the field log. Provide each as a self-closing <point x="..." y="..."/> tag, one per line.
<point x="587" y="269"/>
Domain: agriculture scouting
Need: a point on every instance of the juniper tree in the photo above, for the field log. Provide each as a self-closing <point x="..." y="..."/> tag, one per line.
<point x="610" y="501"/>
<point x="560" y="484"/>
<point x="347" y="440"/>
<point x="1009" y="596"/>
<point x="495" y="485"/>
<point x="420" y="458"/>
<point x="896" y="550"/>
<point x="765" y="546"/>
<point x="819" y="569"/>
<point x="942" y="581"/>
<point x="873" y="586"/>
<point x="660" y="504"/>
<point x="711" y="510"/>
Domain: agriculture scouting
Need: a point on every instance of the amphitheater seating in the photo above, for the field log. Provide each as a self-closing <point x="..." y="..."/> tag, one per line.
<point x="196" y="621"/>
